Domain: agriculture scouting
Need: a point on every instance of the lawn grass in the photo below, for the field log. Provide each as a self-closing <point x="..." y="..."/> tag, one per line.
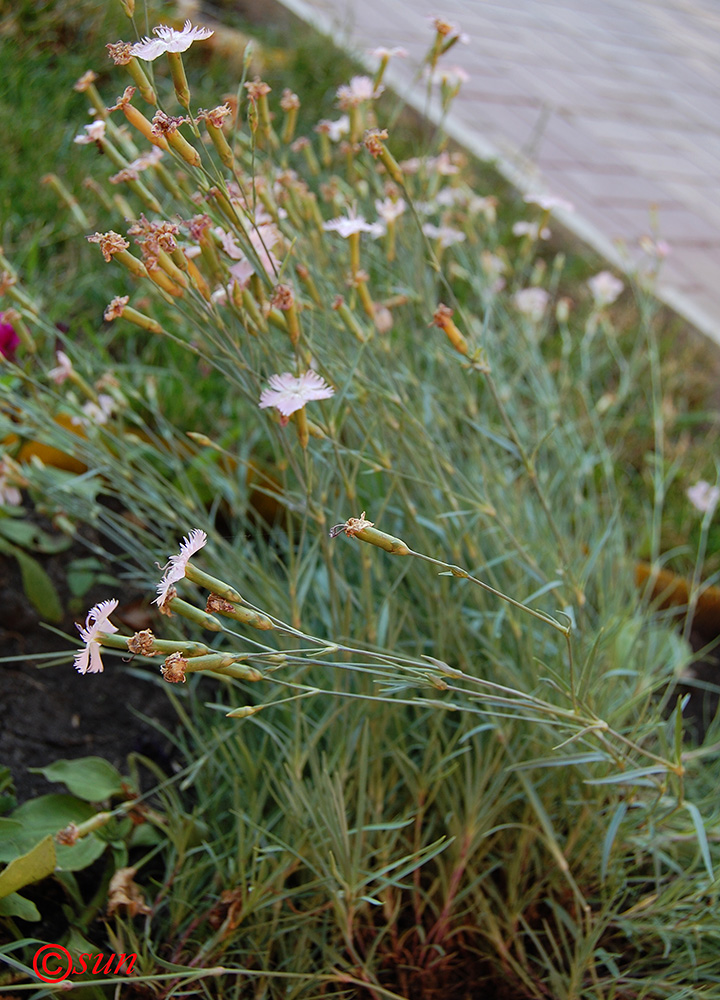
<point x="435" y="786"/>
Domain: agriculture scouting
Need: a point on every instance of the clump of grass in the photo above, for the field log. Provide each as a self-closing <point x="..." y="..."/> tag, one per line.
<point x="459" y="758"/>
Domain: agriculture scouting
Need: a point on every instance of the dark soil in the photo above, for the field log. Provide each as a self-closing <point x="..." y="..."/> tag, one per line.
<point x="49" y="713"/>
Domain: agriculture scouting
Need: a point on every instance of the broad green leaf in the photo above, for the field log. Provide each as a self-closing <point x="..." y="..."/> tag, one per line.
<point x="146" y="835"/>
<point x="90" y="778"/>
<point x="16" y="905"/>
<point x="37" y="585"/>
<point x="13" y="839"/>
<point x="50" y="813"/>
<point x="30" y="536"/>
<point x="80" y="855"/>
<point x="37" y="864"/>
<point x="7" y="792"/>
<point x="47" y="815"/>
<point x="81" y="574"/>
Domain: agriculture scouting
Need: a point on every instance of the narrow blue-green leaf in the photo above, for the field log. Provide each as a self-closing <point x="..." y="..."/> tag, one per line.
<point x="635" y="775"/>
<point x="591" y="757"/>
<point x="609" y="840"/>
<point x="374" y="827"/>
<point x="701" y="836"/>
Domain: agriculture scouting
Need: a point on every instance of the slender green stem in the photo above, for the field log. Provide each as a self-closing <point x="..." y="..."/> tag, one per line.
<point x="464" y="575"/>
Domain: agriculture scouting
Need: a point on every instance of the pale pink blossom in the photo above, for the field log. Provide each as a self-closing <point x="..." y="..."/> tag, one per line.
<point x="487" y="205"/>
<point x="605" y="288"/>
<point x="242" y="272"/>
<point x="10" y="496"/>
<point x="426" y="207"/>
<point x="94" y="132"/>
<point x="383" y="319"/>
<point x="334" y="129"/>
<point x="449" y="197"/>
<point x="445" y="234"/>
<point x="413" y="165"/>
<point x="493" y="268"/>
<point x="449" y="76"/>
<point x="87" y="660"/>
<point x="654" y="248"/>
<point x="703" y="496"/>
<point x="174" y="569"/>
<point x="168" y="40"/>
<point x="443" y="164"/>
<point x="549" y="202"/>
<point x="347" y="225"/>
<point x="149" y="159"/>
<point x="450" y="32"/>
<point x="360" y="88"/>
<point x="126" y="174"/>
<point x="390" y="210"/>
<point x="288" y="393"/>
<point x="531" y="229"/>
<point x="96" y="413"/>
<point x="531" y="302"/>
<point x="381" y="52"/>
<point x="64" y="368"/>
<point x="262" y="238"/>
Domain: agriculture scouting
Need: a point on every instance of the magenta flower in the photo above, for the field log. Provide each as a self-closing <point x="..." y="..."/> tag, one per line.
<point x="288" y="393"/>
<point x="87" y="660"/>
<point x="9" y="340"/>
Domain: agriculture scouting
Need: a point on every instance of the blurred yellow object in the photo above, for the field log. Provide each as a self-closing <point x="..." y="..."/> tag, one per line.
<point x="264" y="490"/>
<point x="46" y="453"/>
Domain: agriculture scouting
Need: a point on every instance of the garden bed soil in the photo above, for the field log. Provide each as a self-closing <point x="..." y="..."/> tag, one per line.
<point x="50" y="713"/>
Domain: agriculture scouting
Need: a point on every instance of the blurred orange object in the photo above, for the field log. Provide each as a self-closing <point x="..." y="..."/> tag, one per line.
<point x="673" y="591"/>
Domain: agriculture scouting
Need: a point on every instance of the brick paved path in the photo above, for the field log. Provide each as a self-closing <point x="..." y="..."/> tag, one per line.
<point x="611" y="104"/>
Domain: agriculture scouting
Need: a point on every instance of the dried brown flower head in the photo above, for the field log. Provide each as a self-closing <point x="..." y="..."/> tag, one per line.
<point x="173" y="669"/>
